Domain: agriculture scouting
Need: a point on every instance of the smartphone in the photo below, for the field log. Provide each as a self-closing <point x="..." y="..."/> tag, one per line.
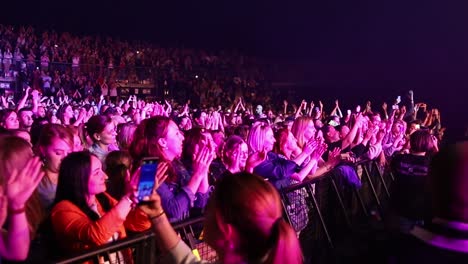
<point x="147" y="174"/>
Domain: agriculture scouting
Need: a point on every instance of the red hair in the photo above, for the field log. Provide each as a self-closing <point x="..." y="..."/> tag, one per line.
<point x="253" y="207"/>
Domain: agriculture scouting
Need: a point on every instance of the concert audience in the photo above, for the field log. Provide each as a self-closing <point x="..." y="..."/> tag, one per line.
<point x="218" y="123"/>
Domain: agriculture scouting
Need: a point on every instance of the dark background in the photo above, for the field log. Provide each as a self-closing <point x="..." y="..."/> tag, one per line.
<point x="354" y="50"/>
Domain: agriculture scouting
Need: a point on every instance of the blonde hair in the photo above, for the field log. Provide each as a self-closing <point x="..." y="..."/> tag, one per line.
<point x="256" y="137"/>
<point x="299" y="127"/>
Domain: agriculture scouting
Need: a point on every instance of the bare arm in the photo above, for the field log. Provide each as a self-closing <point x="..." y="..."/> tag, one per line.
<point x="22" y="102"/>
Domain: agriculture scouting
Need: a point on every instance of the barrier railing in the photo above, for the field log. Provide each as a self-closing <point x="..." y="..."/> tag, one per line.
<point x="143" y="246"/>
<point x="335" y="211"/>
<point x="320" y="210"/>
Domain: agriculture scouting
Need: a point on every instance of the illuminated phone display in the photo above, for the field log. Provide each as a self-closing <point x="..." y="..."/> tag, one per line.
<point x="147" y="174"/>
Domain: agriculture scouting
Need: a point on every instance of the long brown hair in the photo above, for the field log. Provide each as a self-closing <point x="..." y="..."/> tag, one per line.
<point x="145" y="142"/>
<point x="51" y="131"/>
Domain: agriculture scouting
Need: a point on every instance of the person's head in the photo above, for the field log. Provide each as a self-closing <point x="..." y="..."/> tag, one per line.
<point x="36" y="129"/>
<point x="117" y="164"/>
<point x="421" y="141"/>
<point x="80" y="178"/>
<point x="101" y="130"/>
<point x="78" y="137"/>
<point x="242" y="131"/>
<point x="330" y="134"/>
<point x="55" y="143"/>
<point x="9" y="119"/>
<point x="448" y="182"/>
<point x="158" y="137"/>
<point x="41" y="112"/>
<point x="125" y="134"/>
<point x="65" y="112"/>
<point x="344" y="130"/>
<point x="260" y="138"/>
<point x="303" y="130"/>
<point x="259" y="110"/>
<point x="235" y="150"/>
<point x="218" y="139"/>
<point x="398" y="127"/>
<point x="412" y="127"/>
<point x="200" y="118"/>
<point x="184" y="121"/>
<point x="25" y="116"/>
<point x="285" y="142"/>
<point x="195" y="140"/>
<point x="14" y="153"/>
<point x="244" y="217"/>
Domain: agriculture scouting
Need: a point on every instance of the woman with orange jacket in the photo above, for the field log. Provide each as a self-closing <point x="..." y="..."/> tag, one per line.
<point x="84" y="215"/>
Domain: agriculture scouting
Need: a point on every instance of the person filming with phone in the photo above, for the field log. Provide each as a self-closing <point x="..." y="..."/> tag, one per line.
<point x="85" y="216"/>
<point x="181" y="192"/>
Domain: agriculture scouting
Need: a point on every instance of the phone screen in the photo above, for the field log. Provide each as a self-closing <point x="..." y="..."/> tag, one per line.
<point x="147" y="174"/>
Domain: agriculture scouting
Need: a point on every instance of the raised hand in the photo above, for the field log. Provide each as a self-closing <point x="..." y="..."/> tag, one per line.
<point x="202" y="159"/>
<point x="131" y="185"/>
<point x="310" y="146"/>
<point x="35" y="95"/>
<point x="21" y="184"/>
<point x="255" y="159"/>
<point x="319" y="150"/>
<point x="161" y="175"/>
<point x="334" y="157"/>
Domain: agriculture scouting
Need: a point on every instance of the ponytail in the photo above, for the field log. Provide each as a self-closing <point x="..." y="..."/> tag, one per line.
<point x="285" y="247"/>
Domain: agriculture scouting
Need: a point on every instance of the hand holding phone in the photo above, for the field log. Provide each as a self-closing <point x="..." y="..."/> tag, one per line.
<point x="146" y="181"/>
<point x="152" y="174"/>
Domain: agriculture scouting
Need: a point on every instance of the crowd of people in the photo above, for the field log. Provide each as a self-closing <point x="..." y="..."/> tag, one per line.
<point x="86" y="66"/>
<point x="70" y="164"/>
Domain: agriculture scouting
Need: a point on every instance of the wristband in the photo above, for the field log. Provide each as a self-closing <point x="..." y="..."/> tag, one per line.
<point x="158" y="215"/>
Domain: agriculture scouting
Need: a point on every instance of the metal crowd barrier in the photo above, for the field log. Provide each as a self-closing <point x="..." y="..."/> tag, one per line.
<point x="320" y="210"/>
<point x="336" y="212"/>
<point x="143" y="246"/>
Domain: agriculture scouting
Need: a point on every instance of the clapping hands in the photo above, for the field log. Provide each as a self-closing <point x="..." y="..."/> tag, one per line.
<point x="22" y="183"/>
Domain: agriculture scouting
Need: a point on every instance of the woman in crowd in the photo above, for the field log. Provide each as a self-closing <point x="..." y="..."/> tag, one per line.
<point x="9" y="119"/>
<point x="19" y="204"/>
<point x="65" y="114"/>
<point x="233" y="159"/>
<point x="84" y="215"/>
<point x="55" y="143"/>
<point x="160" y="137"/>
<point x="101" y="130"/>
<point x="194" y="140"/>
<point x="78" y="136"/>
<point x="125" y="135"/>
<point x="242" y="225"/>
<point x="278" y="170"/>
